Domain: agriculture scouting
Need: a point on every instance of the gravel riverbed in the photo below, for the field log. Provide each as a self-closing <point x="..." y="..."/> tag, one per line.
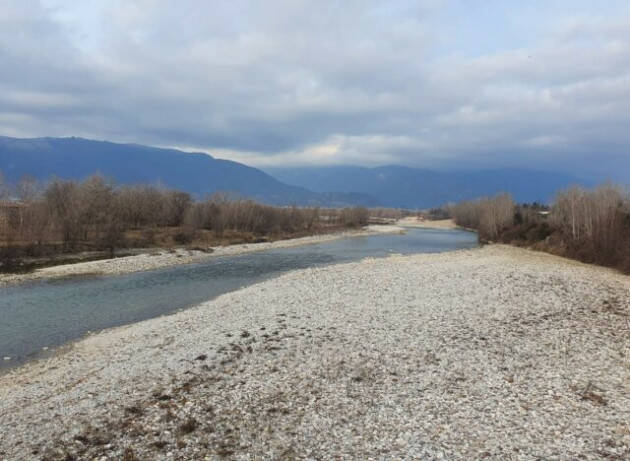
<point x="495" y="353"/>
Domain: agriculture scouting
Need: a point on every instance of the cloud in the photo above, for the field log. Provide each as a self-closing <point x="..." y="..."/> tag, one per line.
<point x="424" y="83"/>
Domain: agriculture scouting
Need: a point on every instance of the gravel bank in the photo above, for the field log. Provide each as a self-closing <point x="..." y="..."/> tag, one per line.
<point x="496" y="353"/>
<point x="412" y="221"/>
<point x="155" y="259"/>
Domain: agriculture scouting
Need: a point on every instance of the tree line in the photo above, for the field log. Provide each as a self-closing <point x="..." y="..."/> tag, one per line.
<point x="96" y="214"/>
<point x="592" y="225"/>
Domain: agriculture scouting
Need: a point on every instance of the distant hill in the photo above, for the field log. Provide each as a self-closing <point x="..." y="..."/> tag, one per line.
<point x="201" y="174"/>
<point x="399" y="186"/>
<point x="197" y="173"/>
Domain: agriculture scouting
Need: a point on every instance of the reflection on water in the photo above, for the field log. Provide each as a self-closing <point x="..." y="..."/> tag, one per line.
<point x="48" y="314"/>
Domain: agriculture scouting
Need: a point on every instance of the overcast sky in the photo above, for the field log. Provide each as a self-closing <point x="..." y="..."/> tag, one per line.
<point x="435" y="83"/>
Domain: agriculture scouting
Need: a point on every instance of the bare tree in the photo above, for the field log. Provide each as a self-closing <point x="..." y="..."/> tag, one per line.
<point x="497" y="214"/>
<point x="28" y="189"/>
<point x="489" y="216"/>
<point x="175" y="205"/>
<point x="570" y="211"/>
<point x="62" y="199"/>
<point x="4" y="188"/>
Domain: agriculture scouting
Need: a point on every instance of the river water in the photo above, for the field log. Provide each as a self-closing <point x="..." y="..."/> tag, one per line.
<point x="39" y="316"/>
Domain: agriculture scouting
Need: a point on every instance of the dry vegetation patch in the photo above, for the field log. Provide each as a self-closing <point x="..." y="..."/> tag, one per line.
<point x="98" y="217"/>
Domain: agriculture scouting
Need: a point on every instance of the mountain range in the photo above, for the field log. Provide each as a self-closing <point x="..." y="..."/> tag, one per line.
<point x="413" y="188"/>
<point x="201" y="175"/>
<point x="197" y="173"/>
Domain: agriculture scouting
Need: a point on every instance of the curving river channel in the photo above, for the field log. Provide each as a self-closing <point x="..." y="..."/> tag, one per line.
<point x="37" y="317"/>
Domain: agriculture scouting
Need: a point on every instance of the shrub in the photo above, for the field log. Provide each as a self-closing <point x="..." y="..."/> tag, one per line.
<point x="589" y="225"/>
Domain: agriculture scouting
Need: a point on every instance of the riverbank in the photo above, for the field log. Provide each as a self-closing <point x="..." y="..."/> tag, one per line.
<point x="412" y="221"/>
<point x="158" y="258"/>
<point x="494" y="353"/>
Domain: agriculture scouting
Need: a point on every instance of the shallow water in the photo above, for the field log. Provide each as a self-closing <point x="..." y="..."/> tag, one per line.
<point x="47" y="314"/>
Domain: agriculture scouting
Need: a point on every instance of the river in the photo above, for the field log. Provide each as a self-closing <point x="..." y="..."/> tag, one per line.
<point x="37" y="317"/>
